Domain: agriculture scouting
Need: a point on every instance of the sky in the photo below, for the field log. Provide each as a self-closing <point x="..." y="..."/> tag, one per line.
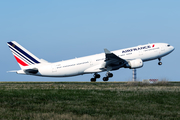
<point x="57" y="30"/>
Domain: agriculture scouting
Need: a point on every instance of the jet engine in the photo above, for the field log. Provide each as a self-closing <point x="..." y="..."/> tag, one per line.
<point x="137" y="63"/>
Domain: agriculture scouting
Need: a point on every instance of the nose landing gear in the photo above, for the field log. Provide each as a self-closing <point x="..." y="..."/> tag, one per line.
<point x="159" y="63"/>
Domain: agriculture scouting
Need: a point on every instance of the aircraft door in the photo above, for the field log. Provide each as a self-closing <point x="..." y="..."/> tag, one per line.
<point x="158" y="49"/>
<point x="54" y="68"/>
<point x="162" y="48"/>
<point x="140" y="52"/>
<point x="91" y="62"/>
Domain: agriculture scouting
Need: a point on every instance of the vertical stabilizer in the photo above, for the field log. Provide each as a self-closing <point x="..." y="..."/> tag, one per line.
<point x="22" y="56"/>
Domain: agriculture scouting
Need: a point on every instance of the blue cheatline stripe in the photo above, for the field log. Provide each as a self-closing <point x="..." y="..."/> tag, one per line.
<point x="24" y="53"/>
<point x="20" y="55"/>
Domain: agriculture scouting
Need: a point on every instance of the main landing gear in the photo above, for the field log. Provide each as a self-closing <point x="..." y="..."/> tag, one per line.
<point x="108" y="75"/>
<point x="159" y="63"/>
<point x="95" y="77"/>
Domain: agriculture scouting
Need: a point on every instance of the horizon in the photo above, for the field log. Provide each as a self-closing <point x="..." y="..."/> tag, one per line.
<point x="61" y="30"/>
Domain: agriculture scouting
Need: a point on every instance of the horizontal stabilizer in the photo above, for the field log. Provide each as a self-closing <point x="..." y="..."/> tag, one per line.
<point x="12" y="71"/>
<point x="31" y="71"/>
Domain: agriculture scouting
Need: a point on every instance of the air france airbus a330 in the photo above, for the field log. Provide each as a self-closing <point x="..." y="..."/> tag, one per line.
<point x="108" y="61"/>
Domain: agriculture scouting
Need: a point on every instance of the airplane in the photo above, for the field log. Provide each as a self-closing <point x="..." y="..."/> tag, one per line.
<point x="108" y="61"/>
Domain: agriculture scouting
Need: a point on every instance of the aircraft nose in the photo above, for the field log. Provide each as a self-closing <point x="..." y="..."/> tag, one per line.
<point x="172" y="49"/>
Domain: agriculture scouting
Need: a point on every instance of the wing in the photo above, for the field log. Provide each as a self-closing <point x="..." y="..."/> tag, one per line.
<point x="113" y="62"/>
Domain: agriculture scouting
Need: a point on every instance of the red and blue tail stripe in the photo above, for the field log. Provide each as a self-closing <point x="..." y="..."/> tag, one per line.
<point x="20" y="61"/>
<point x="23" y="57"/>
<point x="19" y="55"/>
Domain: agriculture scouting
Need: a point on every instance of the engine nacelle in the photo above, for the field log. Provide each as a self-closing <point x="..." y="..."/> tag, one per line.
<point x="137" y="63"/>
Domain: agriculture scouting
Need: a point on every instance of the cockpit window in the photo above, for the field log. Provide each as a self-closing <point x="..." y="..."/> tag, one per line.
<point x="168" y="45"/>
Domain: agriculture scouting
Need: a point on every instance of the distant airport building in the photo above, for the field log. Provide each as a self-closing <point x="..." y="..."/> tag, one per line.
<point x="150" y="81"/>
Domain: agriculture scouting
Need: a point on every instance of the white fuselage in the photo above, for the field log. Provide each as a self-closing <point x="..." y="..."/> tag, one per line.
<point x="94" y="63"/>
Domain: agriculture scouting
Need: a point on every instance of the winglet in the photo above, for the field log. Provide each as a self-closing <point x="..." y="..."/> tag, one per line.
<point x="107" y="51"/>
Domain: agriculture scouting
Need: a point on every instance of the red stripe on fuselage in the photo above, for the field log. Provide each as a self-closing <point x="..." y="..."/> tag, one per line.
<point x="20" y="61"/>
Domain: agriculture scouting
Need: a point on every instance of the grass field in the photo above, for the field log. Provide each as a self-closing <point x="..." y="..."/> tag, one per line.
<point x="81" y="100"/>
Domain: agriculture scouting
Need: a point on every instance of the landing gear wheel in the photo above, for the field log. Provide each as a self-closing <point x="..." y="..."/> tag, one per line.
<point x="110" y="75"/>
<point x="97" y="76"/>
<point x="159" y="63"/>
<point x="93" y="79"/>
<point x="105" y="78"/>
